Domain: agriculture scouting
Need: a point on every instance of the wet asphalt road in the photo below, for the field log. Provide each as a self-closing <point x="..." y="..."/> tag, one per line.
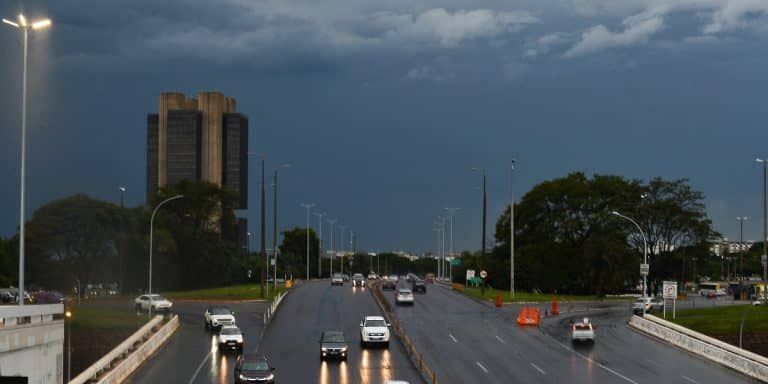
<point x="291" y="342"/>
<point x="192" y="356"/>
<point x="467" y="342"/>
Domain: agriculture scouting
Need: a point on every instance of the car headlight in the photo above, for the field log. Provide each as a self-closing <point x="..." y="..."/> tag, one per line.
<point x="242" y="377"/>
<point x="270" y="377"/>
<point x="344" y="349"/>
<point x="324" y="349"/>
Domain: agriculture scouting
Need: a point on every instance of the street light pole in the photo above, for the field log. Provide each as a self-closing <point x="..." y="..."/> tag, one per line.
<point x="274" y="222"/>
<point x="512" y="229"/>
<point x="485" y="211"/>
<point x="24" y="27"/>
<point x="741" y="220"/>
<point x="320" y="245"/>
<point x="308" y="207"/>
<point x="451" y="213"/>
<point x="645" y="253"/>
<point x="333" y="251"/>
<point x="764" y="258"/>
<point x="68" y="315"/>
<point x="341" y="263"/>
<point x="120" y="246"/>
<point x="151" y="235"/>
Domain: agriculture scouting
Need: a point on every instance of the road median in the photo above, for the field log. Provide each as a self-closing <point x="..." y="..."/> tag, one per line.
<point x="416" y="358"/>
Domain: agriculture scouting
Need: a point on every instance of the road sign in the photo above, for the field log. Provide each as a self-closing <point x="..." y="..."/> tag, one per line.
<point x="456" y="262"/>
<point x="483" y="274"/>
<point x="272" y="261"/>
<point x="644" y="269"/>
<point x="670" y="290"/>
<point x="470" y="274"/>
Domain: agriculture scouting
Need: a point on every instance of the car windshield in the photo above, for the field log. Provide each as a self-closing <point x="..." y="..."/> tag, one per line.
<point x="405" y="291"/>
<point x="582" y="327"/>
<point x="230" y="331"/>
<point x="337" y="276"/>
<point x="258" y="365"/>
<point x="220" y="311"/>
<point x="158" y="298"/>
<point x="375" y="323"/>
<point x="357" y="276"/>
<point x="333" y="337"/>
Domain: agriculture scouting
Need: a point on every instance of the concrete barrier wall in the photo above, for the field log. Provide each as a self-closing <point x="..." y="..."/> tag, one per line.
<point x="704" y="346"/>
<point x="128" y="365"/>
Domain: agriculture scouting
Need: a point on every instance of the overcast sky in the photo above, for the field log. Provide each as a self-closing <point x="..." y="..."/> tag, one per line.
<point x="384" y="107"/>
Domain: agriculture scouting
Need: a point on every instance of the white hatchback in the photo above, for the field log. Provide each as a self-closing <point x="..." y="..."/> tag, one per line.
<point x="157" y="302"/>
<point x="404" y="296"/>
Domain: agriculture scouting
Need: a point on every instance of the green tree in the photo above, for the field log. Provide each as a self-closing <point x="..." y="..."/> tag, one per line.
<point x="6" y="266"/>
<point x="293" y="252"/>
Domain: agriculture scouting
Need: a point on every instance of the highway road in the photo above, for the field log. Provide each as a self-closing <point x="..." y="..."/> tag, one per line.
<point x="464" y="341"/>
<point x="291" y="340"/>
<point x="191" y="355"/>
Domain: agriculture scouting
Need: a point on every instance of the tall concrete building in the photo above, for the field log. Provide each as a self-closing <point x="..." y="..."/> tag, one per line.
<point x="202" y="138"/>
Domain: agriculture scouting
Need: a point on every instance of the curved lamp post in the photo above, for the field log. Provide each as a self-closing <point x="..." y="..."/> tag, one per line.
<point x="151" y="234"/>
<point x="645" y="253"/>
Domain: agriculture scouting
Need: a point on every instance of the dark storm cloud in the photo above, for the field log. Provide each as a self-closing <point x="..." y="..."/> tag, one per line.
<point x="395" y="101"/>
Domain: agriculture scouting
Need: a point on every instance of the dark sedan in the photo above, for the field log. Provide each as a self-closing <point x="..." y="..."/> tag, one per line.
<point x="333" y="345"/>
<point x="418" y="286"/>
<point x="254" y="369"/>
<point x="389" y="285"/>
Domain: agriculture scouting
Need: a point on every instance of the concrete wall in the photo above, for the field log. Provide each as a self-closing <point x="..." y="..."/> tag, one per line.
<point x="704" y="346"/>
<point x="32" y="343"/>
<point x="128" y="365"/>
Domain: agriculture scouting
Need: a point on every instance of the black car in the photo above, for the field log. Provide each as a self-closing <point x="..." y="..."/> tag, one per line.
<point x="419" y="286"/>
<point x="254" y="369"/>
<point x="389" y="285"/>
<point x="333" y="345"/>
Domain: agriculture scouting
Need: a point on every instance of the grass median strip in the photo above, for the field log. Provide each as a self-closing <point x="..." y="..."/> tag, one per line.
<point x="723" y="319"/>
<point x="490" y="295"/>
<point x="233" y="292"/>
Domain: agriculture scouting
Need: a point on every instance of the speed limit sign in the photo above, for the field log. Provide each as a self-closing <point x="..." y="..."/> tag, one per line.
<point x="483" y="274"/>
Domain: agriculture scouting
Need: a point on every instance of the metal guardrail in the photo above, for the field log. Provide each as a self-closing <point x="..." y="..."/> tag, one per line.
<point x="416" y="358"/>
<point x="118" y="352"/>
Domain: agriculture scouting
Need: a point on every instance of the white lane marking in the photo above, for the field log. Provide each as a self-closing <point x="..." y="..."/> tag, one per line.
<point x="538" y="369"/>
<point x="500" y="339"/>
<point x="199" y="367"/>
<point x="595" y="362"/>
<point x="453" y="338"/>
<point x="481" y="366"/>
<point x="691" y="380"/>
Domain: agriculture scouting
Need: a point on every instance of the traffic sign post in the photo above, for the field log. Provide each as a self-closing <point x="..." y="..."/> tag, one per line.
<point x="644" y="269"/>
<point x="669" y="291"/>
<point x="483" y="274"/>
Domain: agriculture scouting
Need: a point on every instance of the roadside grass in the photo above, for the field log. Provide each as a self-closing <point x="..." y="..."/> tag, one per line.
<point x="490" y="295"/>
<point x="233" y="292"/>
<point x="723" y="319"/>
<point x="89" y="318"/>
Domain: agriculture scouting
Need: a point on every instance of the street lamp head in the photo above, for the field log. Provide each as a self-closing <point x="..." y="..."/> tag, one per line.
<point x="22" y="20"/>
<point x="122" y="189"/>
<point x="68" y="314"/>
<point x="41" y="24"/>
<point x="11" y="23"/>
<point x="285" y="165"/>
<point x="615" y="213"/>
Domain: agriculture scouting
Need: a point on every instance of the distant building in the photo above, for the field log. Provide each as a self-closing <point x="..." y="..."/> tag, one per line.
<point x="718" y="247"/>
<point x="202" y="139"/>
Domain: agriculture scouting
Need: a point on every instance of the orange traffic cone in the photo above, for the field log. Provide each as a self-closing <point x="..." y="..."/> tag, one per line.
<point x="498" y="301"/>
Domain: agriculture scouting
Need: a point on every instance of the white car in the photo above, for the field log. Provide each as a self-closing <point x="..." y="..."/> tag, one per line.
<point x="217" y="317"/>
<point x="404" y="296"/>
<point x="372" y="276"/>
<point x="583" y="332"/>
<point x="374" y="329"/>
<point x="396" y="382"/>
<point x="230" y="337"/>
<point x="337" y="279"/>
<point x="158" y="303"/>
<point x="641" y="304"/>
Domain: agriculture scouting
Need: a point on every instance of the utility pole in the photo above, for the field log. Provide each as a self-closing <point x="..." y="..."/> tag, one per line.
<point x="741" y="220"/>
<point x="341" y="263"/>
<point x="122" y="238"/>
<point x="764" y="257"/>
<point x="263" y="240"/>
<point x="274" y="228"/>
<point x="485" y="212"/>
<point x="451" y="213"/>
